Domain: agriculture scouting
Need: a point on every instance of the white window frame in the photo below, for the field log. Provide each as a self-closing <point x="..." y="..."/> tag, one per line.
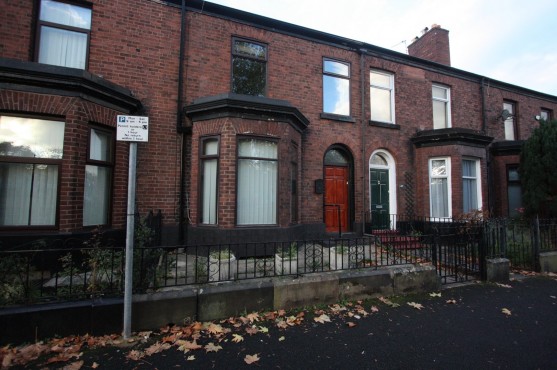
<point x="209" y="184"/>
<point x="446" y="176"/>
<point x="478" y="180"/>
<point x="390" y="88"/>
<point x="447" y="103"/>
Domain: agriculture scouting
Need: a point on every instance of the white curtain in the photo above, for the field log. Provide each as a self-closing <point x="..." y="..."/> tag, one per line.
<point x="439" y="198"/>
<point x="257" y="183"/>
<point x="63" y="48"/>
<point x="469" y="186"/>
<point x="97" y="195"/>
<point x="28" y="194"/>
<point x="209" y="191"/>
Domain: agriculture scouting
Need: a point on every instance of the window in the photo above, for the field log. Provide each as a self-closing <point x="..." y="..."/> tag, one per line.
<point x="546" y="115"/>
<point x="336" y="87"/>
<point x="257" y="182"/>
<point x="514" y="191"/>
<point x="30" y="158"/>
<point x="293" y="183"/>
<point x="98" y="178"/>
<point x="440" y="187"/>
<point x="209" y="171"/>
<point x="471" y="185"/>
<point x="441" y="107"/>
<point x="510" y="126"/>
<point x="382" y="101"/>
<point x="249" y="67"/>
<point x="64" y="31"/>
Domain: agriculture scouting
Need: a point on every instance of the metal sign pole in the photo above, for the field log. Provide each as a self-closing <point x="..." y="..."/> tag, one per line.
<point x="128" y="282"/>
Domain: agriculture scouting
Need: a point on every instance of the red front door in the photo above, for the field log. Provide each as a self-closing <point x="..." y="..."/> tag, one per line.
<point x="336" y="198"/>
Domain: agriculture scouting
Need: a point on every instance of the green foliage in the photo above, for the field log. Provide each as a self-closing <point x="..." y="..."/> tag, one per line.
<point x="538" y="174"/>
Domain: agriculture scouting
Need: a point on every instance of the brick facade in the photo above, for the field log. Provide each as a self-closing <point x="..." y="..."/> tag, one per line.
<point x="133" y="68"/>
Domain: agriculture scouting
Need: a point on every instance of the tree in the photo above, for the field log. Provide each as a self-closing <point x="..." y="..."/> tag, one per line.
<point x="538" y="171"/>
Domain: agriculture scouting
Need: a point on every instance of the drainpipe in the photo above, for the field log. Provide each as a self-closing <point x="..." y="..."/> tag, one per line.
<point x="179" y="116"/>
<point x="363" y="113"/>
<point x="489" y="168"/>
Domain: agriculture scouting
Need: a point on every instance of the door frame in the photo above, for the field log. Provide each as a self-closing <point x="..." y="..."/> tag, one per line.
<point x="348" y="162"/>
<point x="391" y="167"/>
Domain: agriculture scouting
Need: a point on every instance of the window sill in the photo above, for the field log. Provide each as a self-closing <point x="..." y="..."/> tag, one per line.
<point x="338" y="117"/>
<point x="392" y="126"/>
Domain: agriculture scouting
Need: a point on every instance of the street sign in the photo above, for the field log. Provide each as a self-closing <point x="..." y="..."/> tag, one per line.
<point x="132" y="128"/>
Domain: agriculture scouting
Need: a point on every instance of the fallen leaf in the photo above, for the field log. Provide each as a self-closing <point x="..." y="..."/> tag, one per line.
<point x="263" y="329"/>
<point x="236" y="338"/>
<point x="253" y="317"/>
<point x="322" y="319"/>
<point x="503" y="285"/>
<point x="135" y="355"/>
<point x="374" y="309"/>
<point x="251" y="330"/>
<point x="212" y="348"/>
<point x="250" y="359"/>
<point x="281" y="324"/>
<point x="350" y="324"/>
<point x="506" y="311"/>
<point x="415" y="305"/>
<point x="156" y="348"/>
<point x="185" y="345"/>
<point x="95" y="365"/>
<point x="281" y="312"/>
<point x="281" y="338"/>
<point x="435" y="294"/>
<point x="388" y="302"/>
<point x="214" y="328"/>
<point x="450" y="301"/>
<point x="191" y="358"/>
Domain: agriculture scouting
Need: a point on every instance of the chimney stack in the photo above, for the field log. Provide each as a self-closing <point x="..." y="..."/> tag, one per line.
<point x="433" y="45"/>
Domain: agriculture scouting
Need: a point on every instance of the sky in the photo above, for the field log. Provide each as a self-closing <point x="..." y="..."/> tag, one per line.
<point x="512" y="41"/>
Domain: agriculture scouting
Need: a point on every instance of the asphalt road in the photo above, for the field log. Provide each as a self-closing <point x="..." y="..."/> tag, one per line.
<point x="471" y="332"/>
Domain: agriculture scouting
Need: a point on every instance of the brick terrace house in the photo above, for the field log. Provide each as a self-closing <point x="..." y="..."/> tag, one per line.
<point x="259" y="129"/>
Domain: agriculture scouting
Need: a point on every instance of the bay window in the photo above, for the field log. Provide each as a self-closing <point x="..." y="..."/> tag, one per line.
<point x="30" y="157"/>
<point x="209" y="170"/>
<point x="63" y="34"/>
<point x="440" y="187"/>
<point x="257" y="182"/>
<point x="98" y="178"/>
<point x="471" y="185"/>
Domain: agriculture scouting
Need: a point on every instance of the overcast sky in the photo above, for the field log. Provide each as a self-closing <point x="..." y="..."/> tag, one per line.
<point x="509" y="40"/>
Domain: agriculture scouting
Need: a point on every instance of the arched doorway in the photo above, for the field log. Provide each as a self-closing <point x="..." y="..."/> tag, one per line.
<point x="338" y="193"/>
<point x="382" y="189"/>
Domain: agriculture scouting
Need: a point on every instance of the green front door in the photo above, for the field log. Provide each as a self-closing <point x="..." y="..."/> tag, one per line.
<point x="379" y="185"/>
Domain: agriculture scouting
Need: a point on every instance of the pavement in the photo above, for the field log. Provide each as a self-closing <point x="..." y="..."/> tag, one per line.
<point x="475" y="326"/>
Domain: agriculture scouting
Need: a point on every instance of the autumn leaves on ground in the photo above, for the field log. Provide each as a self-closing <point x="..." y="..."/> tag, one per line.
<point x="205" y="338"/>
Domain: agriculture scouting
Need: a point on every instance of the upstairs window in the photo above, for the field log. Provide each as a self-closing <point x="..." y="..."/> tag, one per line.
<point x="441" y="107"/>
<point x="98" y="178"/>
<point x="64" y="31"/>
<point x="382" y="101"/>
<point x="336" y="87"/>
<point x="249" y="67"/>
<point x="510" y="122"/>
<point x="30" y="159"/>
<point x="546" y="115"/>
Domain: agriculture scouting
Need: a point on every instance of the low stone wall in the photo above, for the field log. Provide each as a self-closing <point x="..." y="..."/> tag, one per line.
<point x="548" y="262"/>
<point x="211" y="302"/>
